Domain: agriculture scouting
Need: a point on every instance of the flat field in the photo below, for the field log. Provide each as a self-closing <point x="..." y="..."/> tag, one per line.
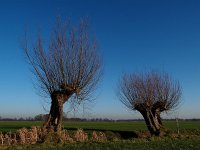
<point x="6" y="126"/>
<point x="186" y="142"/>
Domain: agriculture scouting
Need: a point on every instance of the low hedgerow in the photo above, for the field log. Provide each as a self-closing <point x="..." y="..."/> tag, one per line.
<point x="35" y="135"/>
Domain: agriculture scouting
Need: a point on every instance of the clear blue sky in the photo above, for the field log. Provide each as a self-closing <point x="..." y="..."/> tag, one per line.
<point x="133" y="35"/>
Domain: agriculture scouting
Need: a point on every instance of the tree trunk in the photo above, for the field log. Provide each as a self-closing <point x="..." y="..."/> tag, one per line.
<point x="54" y="120"/>
<point x="151" y="122"/>
<point x="157" y="116"/>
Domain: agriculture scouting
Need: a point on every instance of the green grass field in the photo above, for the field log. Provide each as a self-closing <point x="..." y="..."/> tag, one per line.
<point x="6" y="126"/>
<point x="155" y="143"/>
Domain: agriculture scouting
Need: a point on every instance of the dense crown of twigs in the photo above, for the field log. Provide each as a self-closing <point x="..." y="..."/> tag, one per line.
<point x="149" y="91"/>
<point x="69" y="63"/>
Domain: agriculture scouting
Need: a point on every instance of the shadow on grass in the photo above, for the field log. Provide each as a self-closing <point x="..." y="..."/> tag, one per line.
<point x="122" y="134"/>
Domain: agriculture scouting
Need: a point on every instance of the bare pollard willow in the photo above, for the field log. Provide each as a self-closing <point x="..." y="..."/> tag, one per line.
<point x="150" y="94"/>
<point x="68" y="66"/>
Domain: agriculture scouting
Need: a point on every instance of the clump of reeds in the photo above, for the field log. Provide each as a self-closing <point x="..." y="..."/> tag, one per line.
<point x="27" y="136"/>
<point x="22" y="135"/>
<point x="1" y="138"/>
<point x="8" y="138"/>
<point x="99" y="136"/>
<point x="65" y="136"/>
<point x="80" y="136"/>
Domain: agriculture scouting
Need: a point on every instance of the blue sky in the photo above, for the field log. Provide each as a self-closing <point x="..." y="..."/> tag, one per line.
<point x="133" y="36"/>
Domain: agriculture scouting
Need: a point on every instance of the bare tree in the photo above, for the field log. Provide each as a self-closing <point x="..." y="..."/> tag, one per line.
<point x="67" y="67"/>
<point x="150" y="94"/>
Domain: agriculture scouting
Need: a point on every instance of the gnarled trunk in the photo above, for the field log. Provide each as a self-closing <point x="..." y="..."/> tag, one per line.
<point x="54" y="120"/>
<point x="156" y="114"/>
<point x="152" y="122"/>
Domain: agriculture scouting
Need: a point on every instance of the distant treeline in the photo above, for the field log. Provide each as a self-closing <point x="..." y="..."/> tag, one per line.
<point x="43" y="117"/>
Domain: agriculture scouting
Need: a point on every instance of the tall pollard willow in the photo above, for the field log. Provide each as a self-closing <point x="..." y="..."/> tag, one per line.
<point x="67" y="67"/>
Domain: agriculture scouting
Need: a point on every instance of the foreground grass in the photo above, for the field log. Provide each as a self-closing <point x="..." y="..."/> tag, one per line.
<point x="139" y="144"/>
<point x="190" y="140"/>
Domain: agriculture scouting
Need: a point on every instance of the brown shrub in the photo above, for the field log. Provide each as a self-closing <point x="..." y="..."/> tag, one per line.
<point x="21" y="135"/>
<point x="80" y="136"/>
<point x="35" y="133"/>
<point x="99" y="136"/>
<point x="52" y="138"/>
<point x="7" y="139"/>
<point x="64" y="135"/>
<point x="13" y="138"/>
<point x="1" y="138"/>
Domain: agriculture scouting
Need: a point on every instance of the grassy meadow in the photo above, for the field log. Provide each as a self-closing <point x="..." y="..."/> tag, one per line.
<point x="6" y="126"/>
<point x="190" y="140"/>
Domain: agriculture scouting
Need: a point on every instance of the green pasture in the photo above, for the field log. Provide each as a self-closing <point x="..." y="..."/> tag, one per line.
<point x="6" y="126"/>
<point x="154" y="143"/>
